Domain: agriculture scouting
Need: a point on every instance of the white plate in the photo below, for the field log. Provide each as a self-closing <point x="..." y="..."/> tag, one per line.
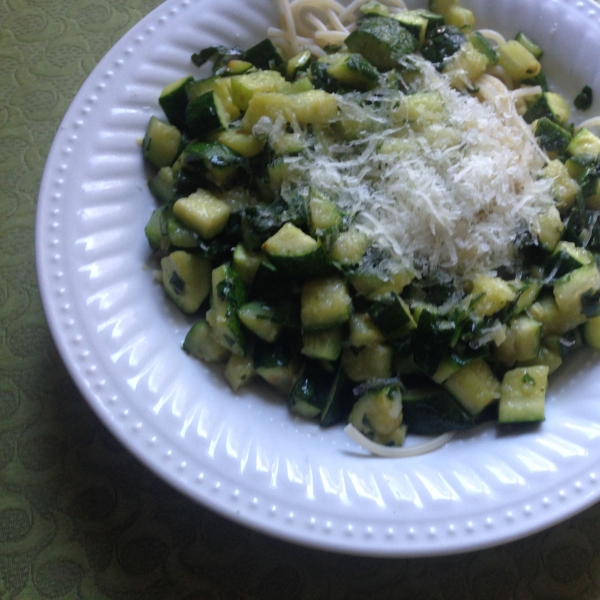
<point x="245" y="456"/>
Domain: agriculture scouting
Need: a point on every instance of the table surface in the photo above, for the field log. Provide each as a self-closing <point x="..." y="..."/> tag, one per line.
<point x="79" y="516"/>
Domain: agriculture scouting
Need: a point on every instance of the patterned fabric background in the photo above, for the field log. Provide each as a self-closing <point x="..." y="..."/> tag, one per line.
<point x="79" y="517"/>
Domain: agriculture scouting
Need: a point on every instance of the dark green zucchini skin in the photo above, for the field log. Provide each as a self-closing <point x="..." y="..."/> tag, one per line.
<point x="390" y="314"/>
<point x="264" y="55"/>
<point x="202" y="115"/>
<point x="339" y="401"/>
<point x="311" y="391"/>
<point x="433" y="411"/>
<point x="382" y="41"/>
<point x="551" y="136"/>
<point x="432" y="341"/>
<point x="442" y="43"/>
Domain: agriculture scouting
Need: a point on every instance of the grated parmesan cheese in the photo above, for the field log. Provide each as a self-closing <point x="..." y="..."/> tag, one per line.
<point x="444" y="195"/>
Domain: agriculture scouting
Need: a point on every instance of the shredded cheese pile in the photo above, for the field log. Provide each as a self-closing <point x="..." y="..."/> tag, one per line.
<point x="445" y="196"/>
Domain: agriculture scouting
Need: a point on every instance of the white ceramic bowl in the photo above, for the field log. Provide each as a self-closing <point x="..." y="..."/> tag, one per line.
<point x="244" y="455"/>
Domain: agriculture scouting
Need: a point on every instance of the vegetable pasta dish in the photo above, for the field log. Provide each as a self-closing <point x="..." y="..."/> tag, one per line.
<point x="386" y="214"/>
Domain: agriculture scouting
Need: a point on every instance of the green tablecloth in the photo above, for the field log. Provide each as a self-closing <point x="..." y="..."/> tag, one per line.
<point x="81" y="518"/>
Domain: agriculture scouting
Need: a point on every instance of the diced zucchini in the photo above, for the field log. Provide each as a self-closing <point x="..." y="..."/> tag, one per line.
<point x="303" y="84"/>
<point x="349" y="248"/>
<point x="239" y="371"/>
<point x="392" y="315"/>
<point x="288" y="143"/>
<point x="310" y="392"/>
<point x="201" y="343"/>
<point x="523" y="395"/>
<point x="434" y="20"/>
<point x="522" y="342"/>
<point x="442" y="43"/>
<point x="222" y="88"/>
<point x="258" y="318"/>
<point x="451" y="364"/>
<point x="396" y="283"/>
<point x="518" y="62"/>
<point x="365" y="280"/>
<point x="540" y="79"/>
<point x="548" y="227"/>
<point x="432" y="341"/>
<point x="528" y="291"/>
<point x="494" y="294"/>
<point x="442" y="6"/>
<point x="203" y="213"/>
<point x="591" y="332"/>
<point x="584" y="143"/>
<point x="323" y="345"/>
<point x="186" y="279"/>
<point x="378" y="414"/>
<point x="339" y="400"/>
<point x="238" y="67"/>
<point x="237" y="198"/>
<point x="173" y="100"/>
<point x="552" y="138"/>
<point x="474" y="386"/>
<point x="465" y="66"/>
<point x="294" y="252"/>
<point x="546" y="311"/>
<point x="244" y="87"/>
<point x="566" y="258"/>
<point x="323" y="214"/>
<point x="433" y="411"/>
<point x="277" y="365"/>
<point x="241" y="143"/>
<point x="325" y="303"/>
<point x="564" y="344"/>
<point x="382" y="41"/>
<point x="529" y="44"/>
<point x="548" y="104"/>
<point x="228" y="294"/>
<point x="161" y="143"/>
<point x="577" y="294"/>
<point x="206" y="113"/>
<point x="162" y="185"/>
<point x="564" y="188"/>
<point x="264" y="55"/>
<point x="414" y="22"/>
<point x="483" y="46"/>
<point x="355" y="71"/>
<point x="210" y="161"/>
<point x="370" y="362"/>
<point x="363" y="332"/>
<point x="460" y="17"/>
<point x="267" y="284"/>
<point x="296" y="64"/>
<point x="246" y="263"/>
<point x="156" y="230"/>
<point x="372" y="7"/>
<point x="180" y="235"/>
<point x="546" y="358"/>
<point x="314" y="107"/>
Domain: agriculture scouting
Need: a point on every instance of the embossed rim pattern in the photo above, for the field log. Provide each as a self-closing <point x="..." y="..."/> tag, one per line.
<point x="245" y="456"/>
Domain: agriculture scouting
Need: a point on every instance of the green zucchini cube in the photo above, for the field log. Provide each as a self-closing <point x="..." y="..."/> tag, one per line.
<point x="382" y="41"/>
<point x="474" y="386"/>
<point x="203" y="213"/>
<point x="523" y="395"/>
<point x="186" y="278"/>
<point x="324" y="303"/>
